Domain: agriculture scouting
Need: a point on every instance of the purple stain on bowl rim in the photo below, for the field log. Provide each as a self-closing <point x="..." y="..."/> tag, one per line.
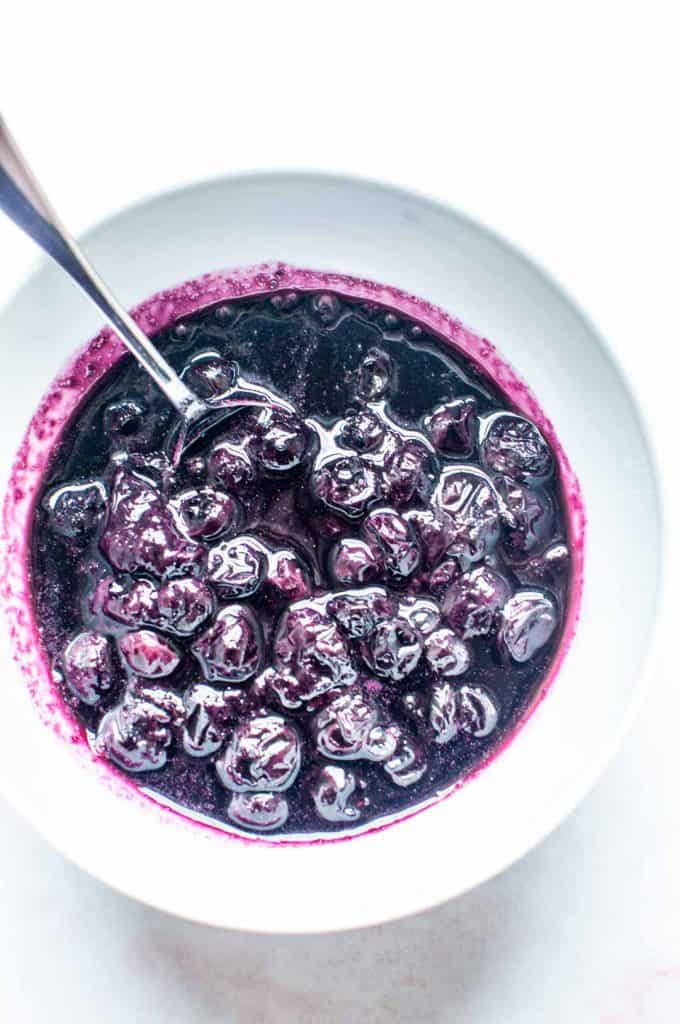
<point x="239" y="683"/>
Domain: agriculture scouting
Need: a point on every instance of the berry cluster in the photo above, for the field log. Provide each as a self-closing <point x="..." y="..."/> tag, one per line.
<point x="304" y="663"/>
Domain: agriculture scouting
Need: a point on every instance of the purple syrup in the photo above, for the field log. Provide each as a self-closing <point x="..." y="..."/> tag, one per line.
<point x="325" y="617"/>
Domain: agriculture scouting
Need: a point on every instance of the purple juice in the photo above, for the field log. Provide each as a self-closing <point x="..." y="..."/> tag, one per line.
<point x="334" y="609"/>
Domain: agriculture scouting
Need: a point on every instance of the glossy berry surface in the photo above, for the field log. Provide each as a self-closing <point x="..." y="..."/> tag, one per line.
<point x="452" y="428"/>
<point x="333" y="607"/>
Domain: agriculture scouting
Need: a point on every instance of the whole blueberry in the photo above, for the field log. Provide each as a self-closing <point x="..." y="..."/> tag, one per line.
<point x="230" y="649"/>
<point x="513" y="446"/>
<point x="264" y="753"/>
<point x="452" y="427"/>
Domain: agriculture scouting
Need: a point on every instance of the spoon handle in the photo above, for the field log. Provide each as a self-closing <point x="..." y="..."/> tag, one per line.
<point x="24" y="202"/>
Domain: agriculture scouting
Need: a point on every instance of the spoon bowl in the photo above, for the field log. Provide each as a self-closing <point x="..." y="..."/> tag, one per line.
<point x="194" y="430"/>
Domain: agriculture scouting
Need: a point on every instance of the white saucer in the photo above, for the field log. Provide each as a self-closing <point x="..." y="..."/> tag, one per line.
<point x="401" y="239"/>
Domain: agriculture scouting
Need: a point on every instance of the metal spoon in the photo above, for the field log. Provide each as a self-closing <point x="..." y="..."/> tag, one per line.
<point x="24" y="202"/>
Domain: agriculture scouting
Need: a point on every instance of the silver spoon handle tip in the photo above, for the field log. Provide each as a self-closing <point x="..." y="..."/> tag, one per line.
<point x="24" y="202"/>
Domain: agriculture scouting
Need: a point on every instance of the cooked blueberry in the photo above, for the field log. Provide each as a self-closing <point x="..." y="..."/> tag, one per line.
<point x="326" y="308"/>
<point x="333" y="792"/>
<point x="204" y="513"/>
<point x="236" y="567"/>
<point x="382" y="742"/>
<point x="443" y="708"/>
<point x="208" y="712"/>
<point x="473" y="603"/>
<point x="443" y="575"/>
<point x="468" y="709"/>
<point x="469" y="499"/>
<point x="76" y="509"/>
<point x="393" y="649"/>
<point x="395" y="538"/>
<point x="225" y="313"/>
<point x="408" y="763"/>
<point x="184" y="605"/>
<point x="354" y="561"/>
<point x="264" y="753"/>
<point x="279" y="442"/>
<point x="123" y="417"/>
<point x="149" y="654"/>
<point x="359" y="611"/>
<point x="230" y="650"/>
<point x="362" y="430"/>
<point x="477" y="712"/>
<point x="87" y="667"/>
<point x="434" y="530"/>
<point x="230" y="466"/>
<point x="547" y="568"/>
<point x="446" y="653"/>
<point x="408" y="474"/>
<point x="348" y="485"/>
<point x="341" y="730"/>
<point x="140" y="534"/>
<point x="287" y="577"/>
<point x="209" y="375"/>
<point x="263" y="812"/>
<point x="285" y="301"/>
<point x="452" y="428"/>
<point x="528" y="621"/>
<point x="163" y="698"/>
<point x="421" y="612"/>
<point x="514" y="447"/>
<point x="310" y="646"/>
<point x="135" y="735"/>
<point x="531" y="519"/>
<point x="348" y="729"/>
<point x="133" y="602"/>
<point x="280" y="687"/>
<point x="375" y="374"/>
<point x="390" y="321"/>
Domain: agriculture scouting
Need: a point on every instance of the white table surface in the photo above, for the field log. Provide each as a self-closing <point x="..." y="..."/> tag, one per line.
<point x="555" y="124"/>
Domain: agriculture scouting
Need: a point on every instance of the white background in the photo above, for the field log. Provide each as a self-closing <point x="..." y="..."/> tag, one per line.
<point x="555" y="123"/>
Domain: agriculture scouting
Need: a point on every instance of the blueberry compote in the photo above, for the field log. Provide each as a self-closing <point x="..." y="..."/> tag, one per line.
<point x="330" y="610"/>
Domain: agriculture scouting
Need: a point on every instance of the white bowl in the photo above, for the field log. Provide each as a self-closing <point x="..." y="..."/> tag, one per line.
<point x="353" y="227"/>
